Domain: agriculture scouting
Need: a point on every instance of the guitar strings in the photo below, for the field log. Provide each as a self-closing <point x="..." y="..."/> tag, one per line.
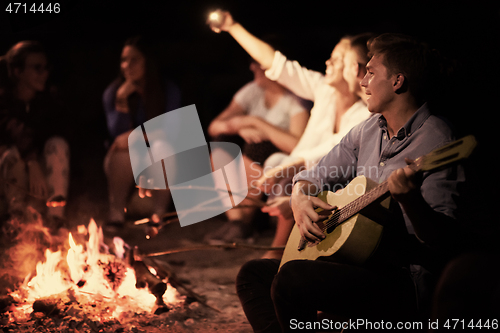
<point x="355" y="206"/>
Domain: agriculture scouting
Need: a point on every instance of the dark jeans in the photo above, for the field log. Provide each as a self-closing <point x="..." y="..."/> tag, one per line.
<point x="272" y="301"/>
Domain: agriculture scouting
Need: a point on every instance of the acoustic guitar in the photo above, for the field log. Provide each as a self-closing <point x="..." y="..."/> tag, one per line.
<point x="351" y="236"/>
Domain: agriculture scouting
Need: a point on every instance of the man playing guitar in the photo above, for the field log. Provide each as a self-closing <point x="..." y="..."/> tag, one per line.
<point x="399" y="82"/>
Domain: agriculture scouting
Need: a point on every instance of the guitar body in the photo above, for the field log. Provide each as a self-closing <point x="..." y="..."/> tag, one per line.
<point x="353" y="241"/>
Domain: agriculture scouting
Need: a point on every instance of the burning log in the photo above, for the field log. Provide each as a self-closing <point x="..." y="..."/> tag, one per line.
<point x="145" y="278"/>
<point x="165" y="271"/>
<point x="5" y="303"/>
<point x="46" y="306"/>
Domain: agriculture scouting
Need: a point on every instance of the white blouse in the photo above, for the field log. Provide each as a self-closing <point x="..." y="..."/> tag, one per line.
<point x="318" y="138"/>
<point x="251" y="98"/>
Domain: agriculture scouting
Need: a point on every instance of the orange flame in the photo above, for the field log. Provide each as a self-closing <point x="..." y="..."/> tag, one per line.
<point x="85" y="275"/>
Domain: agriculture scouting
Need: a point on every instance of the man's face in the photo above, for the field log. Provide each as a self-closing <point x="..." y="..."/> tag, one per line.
<point x="35" y="72"/>
<point x="379" y="86"/>
<point x="335" y="65"/>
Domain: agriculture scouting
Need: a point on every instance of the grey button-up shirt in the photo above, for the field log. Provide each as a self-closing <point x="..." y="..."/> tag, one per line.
<point x="368" y="150"/>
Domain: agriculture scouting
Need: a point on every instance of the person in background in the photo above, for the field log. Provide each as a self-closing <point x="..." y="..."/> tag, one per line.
<point x="337" y="108"/>
<point x="35" y="158"/>
<point x="262" y="118"/>
<point x="277" y="180"/>
<point x="34" y="155"/>
<point x="139" y="94"/>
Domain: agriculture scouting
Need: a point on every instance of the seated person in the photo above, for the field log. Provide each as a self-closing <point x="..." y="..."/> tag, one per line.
<point x="34" y="158"/>
<point x="262" y="118"/>
<point x="139" y="94"/>
<point x="277" y="180"/>
<point x="385" y="287"/>
<point x="337" y="105"/>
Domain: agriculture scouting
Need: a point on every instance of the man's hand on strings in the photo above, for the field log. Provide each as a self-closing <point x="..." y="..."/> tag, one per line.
<point x="303" y="206"/>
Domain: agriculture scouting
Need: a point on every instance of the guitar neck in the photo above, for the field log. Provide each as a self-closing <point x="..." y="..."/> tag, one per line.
<point x="357" y="205"/>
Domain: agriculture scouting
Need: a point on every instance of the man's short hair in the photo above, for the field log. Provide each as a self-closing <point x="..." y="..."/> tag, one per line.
<point x="403" y="54"/>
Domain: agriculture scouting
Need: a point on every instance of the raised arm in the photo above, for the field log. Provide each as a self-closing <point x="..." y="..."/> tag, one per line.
<point x="301" y="81"/>
<point x="262" y="52"/>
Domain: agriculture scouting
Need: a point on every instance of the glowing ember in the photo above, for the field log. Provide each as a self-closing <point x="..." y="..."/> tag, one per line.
<point x="89" y="271"/>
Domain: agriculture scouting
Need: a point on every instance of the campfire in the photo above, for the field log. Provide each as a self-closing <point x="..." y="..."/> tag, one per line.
<point x="85" y="281"/>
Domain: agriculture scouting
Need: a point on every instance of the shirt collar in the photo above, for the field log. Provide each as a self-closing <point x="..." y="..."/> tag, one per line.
<point x="414" y="123"/>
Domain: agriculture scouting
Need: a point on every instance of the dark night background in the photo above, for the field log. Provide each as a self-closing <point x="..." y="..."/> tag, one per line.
<point x="85" y="39"/>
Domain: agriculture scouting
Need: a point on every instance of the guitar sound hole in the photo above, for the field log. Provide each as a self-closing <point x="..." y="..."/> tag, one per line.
<point x="330" y="230"/>
<point x="331" y="223"/>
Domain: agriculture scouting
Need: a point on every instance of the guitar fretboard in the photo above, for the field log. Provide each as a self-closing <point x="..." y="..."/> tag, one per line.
<point x="356" y="206"/>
